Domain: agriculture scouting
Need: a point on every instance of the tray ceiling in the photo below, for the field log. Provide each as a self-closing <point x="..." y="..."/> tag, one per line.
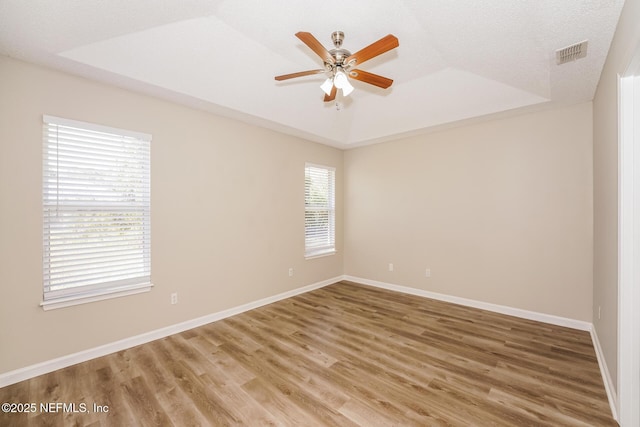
<point x="457" y="61"/>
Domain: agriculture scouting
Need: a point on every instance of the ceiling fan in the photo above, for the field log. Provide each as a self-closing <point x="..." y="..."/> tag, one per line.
<point x="340" y="63"/>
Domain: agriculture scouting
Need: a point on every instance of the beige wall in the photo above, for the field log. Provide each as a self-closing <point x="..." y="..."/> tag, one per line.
<point x="501" y="212"/>
<point x="227" y="214"/>
<point x="605" y="183"/>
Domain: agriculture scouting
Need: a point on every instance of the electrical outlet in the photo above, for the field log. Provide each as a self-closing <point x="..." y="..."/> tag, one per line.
<point x="174" y="298"/>
<point x="291" y="272"/>
<point x="427" y="272"/>
<point x="390" y="267"/>
<point x="598" y="312"/>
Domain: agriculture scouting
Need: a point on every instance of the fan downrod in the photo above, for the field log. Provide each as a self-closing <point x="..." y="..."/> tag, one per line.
<point x="338" y="54"/>
<point x="337" y="37"/>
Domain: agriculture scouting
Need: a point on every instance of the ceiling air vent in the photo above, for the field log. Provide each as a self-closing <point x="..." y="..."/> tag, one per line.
<point x="571" y="53"/>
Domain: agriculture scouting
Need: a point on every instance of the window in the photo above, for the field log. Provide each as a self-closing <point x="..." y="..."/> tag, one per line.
<point x="96" y="205"/>
<point x="320" y="210"/>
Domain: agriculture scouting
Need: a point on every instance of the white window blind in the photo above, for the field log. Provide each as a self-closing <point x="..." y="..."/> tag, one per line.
<point x="96" y="205"/>
<point x="320" y="212"/>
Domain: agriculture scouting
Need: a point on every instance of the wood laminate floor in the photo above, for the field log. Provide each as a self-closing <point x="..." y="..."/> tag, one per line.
<point x="342" y="355"/>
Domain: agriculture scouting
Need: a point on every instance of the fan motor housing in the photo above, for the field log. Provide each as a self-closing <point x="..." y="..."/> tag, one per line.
<point x="340" y="55"/>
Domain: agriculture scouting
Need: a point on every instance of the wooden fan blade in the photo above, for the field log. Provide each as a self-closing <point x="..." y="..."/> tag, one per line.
<point x="316" y="46"/>
<point x="298" y="74"/>
<point x="383" y="45"/>
<point x="372" y="79"/>
<point x="334" y="91"/>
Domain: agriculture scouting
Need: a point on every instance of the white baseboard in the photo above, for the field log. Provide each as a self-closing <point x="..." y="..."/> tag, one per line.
<point x="525" y="314"/>
<point x="606" y="376"/>
<point x="25" y="373"/>
<point x="32" y="371"/>
<point x="503" y="309"/>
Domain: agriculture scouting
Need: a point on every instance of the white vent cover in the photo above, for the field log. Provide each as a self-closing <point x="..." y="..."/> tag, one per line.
<point x="571" y="53"/>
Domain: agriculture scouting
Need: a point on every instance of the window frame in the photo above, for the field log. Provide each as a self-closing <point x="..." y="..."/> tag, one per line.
<point x="316" y="251"/>
<point x="75" y="135"/>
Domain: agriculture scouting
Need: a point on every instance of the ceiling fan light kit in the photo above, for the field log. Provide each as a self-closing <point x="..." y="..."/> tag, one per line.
<point x="339" y="63"/>
<point x="327" y="86"/>
<point x="341" y="81"/>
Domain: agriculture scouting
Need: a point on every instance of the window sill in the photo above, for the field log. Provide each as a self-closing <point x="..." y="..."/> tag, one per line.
<point x="63" y="302"/>
<point x="320" y="254"/>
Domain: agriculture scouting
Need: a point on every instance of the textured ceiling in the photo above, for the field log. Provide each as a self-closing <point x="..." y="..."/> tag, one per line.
<point x="457" y="60"/>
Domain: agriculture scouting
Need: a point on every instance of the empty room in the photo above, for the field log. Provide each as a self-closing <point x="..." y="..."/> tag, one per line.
<point x="348" y="213"/>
